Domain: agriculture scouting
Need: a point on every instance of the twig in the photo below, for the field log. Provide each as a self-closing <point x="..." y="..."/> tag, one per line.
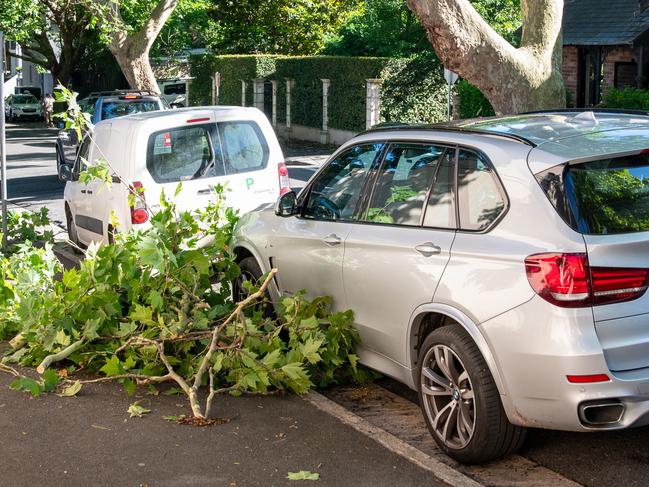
<point x="9" y="370"/>
<point x="141" y="379"/>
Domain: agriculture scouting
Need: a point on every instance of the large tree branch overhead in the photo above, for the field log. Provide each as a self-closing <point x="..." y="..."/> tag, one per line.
<point x="512" y="79"/>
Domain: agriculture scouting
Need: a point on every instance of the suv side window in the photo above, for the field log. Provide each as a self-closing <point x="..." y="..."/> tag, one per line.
<point x="335" y="194"/>
<point x="481" y="198"/>
<point x="403" y="184"/>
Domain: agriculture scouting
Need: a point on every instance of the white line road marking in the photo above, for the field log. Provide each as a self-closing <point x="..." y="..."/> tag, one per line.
<point x="392" y="443"/>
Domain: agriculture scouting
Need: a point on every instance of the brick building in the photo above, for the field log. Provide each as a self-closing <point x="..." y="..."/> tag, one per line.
<point x="605" y="44"/>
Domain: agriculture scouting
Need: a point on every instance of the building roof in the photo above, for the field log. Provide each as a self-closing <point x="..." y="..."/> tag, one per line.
<point x="603" y="22"/>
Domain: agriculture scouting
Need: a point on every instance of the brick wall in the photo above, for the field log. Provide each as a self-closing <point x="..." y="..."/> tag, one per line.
<point x="622" y="54"/>
<point x="571" y="71"/>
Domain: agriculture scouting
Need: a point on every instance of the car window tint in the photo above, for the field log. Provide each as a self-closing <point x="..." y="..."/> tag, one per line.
<point x="114" y="109"/>
<point x="481" y="200"/>
<point x="403" y="183"/>
<point x="440" y="211"/>
<point x="175" y="89"/>
<point x="82" y="156"/>
<point x="179" y="154"/>
<point x="240" y="147"/>
<point x="337" y="189"/>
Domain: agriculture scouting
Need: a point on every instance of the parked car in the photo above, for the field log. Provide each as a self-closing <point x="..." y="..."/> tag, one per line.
<point x="104" y="105"/>
<point x="20" y="107"/>
<point x="498" y="267"/>
<point x="174" y="91"/>
<point x="201" y="147"/>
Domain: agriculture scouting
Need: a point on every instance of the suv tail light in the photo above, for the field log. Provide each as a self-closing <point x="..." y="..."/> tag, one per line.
<point x="568" y="281"/>
<point x="284" y="180"/>
<point x="139" y="213"/>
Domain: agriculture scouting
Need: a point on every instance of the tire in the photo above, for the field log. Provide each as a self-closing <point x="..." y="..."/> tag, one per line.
<point x="72" y="232"/>
<point x="250" y="271"/>
<point x="468" y="405"/>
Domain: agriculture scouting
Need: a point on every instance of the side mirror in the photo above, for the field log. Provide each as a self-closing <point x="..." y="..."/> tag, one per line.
<point x="286" y="204"/>
<point x="65" y="172"/>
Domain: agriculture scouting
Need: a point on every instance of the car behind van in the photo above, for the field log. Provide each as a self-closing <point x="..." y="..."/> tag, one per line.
<point x="200" y="147"/>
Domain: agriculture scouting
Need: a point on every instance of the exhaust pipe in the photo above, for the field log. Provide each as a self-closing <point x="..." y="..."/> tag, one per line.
<point x="602" y="413"/>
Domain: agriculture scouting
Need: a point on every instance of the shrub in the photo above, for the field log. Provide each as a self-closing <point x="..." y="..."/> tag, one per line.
<point x="472" y="102"/>
<point x="626" y="98"/>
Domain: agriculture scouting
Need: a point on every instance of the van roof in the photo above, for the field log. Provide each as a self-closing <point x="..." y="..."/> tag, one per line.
<point x="194" y="112"/>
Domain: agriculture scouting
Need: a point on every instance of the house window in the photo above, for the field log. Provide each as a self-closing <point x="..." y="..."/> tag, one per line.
<point x="625" y="75"/>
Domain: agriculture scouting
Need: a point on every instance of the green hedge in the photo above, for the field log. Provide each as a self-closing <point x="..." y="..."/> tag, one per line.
<point x="233" y="69"/>
<point x="472" y="102"/>
<point x="346" y="107"/>
<point x="626" y="98"/>
<point x="413" y="89"/>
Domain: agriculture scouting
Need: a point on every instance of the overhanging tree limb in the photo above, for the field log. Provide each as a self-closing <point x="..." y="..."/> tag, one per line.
<point x="512" y="79"/>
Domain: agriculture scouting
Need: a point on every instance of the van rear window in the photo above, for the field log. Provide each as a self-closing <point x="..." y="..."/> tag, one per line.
<point x="608" y="196"/>
<point x="179" y="154"/>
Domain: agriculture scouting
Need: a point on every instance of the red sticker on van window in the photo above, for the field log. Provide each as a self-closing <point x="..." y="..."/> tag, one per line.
<point x="166" y="142"/>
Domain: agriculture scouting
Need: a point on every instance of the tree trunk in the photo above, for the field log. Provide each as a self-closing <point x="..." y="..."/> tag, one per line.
<point x="132" y="51"/>
<point x="134" y="63"/>
<point x="513" y="80"/>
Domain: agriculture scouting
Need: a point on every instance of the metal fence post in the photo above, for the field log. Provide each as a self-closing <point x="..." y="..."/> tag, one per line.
<point x="3" y="145"/>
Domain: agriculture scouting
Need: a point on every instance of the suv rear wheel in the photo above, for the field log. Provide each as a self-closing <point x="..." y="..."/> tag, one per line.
<point x="250" y="272"/>
<point x="460" y="401"/>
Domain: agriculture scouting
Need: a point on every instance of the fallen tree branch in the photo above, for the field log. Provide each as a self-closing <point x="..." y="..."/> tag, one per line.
<point x="57" y="357"/>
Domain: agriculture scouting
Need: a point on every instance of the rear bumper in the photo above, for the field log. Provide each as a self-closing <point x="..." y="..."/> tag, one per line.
<point x="536" y="346"/>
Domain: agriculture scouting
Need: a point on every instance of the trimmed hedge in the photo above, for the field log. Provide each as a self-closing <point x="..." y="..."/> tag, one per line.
<point x="413" y="89"/>
<point x="627" y="98"/>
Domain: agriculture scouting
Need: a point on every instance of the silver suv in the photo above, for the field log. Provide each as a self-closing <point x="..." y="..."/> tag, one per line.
<point x="498" y="266"/>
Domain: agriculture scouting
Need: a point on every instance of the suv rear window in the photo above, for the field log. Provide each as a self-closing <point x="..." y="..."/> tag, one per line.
<point x="608" y="196"/>
<point x="114" y="109"/>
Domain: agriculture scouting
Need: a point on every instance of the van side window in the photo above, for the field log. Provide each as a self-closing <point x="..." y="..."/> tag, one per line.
<point x="82" y="156"/>
<point x="179" y="154"/>
<point x="240" y="147"/>
<point x="481" y="198"/>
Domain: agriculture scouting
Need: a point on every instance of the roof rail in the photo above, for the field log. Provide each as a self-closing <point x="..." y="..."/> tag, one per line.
<point x="121" y="92"/>
<point x="447" y="128"/>
<point x="612" y="111"/>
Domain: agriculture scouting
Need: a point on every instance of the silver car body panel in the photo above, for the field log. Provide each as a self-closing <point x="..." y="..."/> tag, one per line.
<point x="478" y="279"/>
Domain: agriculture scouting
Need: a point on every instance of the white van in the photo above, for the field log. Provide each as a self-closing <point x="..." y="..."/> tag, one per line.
<point x="201" y="147"/>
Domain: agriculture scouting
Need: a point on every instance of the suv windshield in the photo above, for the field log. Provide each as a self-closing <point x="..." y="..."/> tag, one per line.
<point x="608" y="196"/>
<point x="120" y="108"/>
<point x="25" y="99"/>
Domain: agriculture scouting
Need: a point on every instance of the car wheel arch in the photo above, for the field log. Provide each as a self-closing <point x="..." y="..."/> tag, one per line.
<point x="429" y="317"/>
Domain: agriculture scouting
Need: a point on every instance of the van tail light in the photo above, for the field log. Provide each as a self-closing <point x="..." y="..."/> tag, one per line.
<point x="568" y="281"/>
<point x="284" y="180"/>
<point x="139" y="213"/>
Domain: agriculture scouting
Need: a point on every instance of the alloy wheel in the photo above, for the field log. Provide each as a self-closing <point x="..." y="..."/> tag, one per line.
<point x="448" y="396"/>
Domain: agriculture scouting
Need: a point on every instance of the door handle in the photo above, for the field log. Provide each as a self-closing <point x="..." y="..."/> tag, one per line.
<point x="84" y="191"/>
<point x="428" y="248"/>
<point x="332" y="239"/>
<point x="204" y="191"/>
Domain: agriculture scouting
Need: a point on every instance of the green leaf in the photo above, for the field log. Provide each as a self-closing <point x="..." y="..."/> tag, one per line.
<point x="71" y="390"/>
<point x="294" y="370"/>
<point x="310" y="350"/>
<point x="137" y="411"/>
<point x="61" y="338"/>
<point x="143" y="314"/>
<point x="156" y="300"/>
<point x="174" y="418"/>
<point x="129" y="386"/>
<point x="179" y="188"/>
<point x="126" y="329"/>
<point x="26" y="384"/>
<point x="303" y="475"/>
<point x="112" y="367"/>
<point x="50" y="380"/>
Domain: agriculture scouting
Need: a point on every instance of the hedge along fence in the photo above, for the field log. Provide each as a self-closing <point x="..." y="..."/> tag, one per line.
<point x="413" y="90"/>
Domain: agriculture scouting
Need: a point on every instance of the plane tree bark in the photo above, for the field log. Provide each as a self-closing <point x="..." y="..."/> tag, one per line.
<point x="132" y="50"/>
<point x="513" y="79"/>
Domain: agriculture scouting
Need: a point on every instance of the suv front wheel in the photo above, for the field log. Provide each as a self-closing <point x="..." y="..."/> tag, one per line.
<point x="460" y="400"/>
